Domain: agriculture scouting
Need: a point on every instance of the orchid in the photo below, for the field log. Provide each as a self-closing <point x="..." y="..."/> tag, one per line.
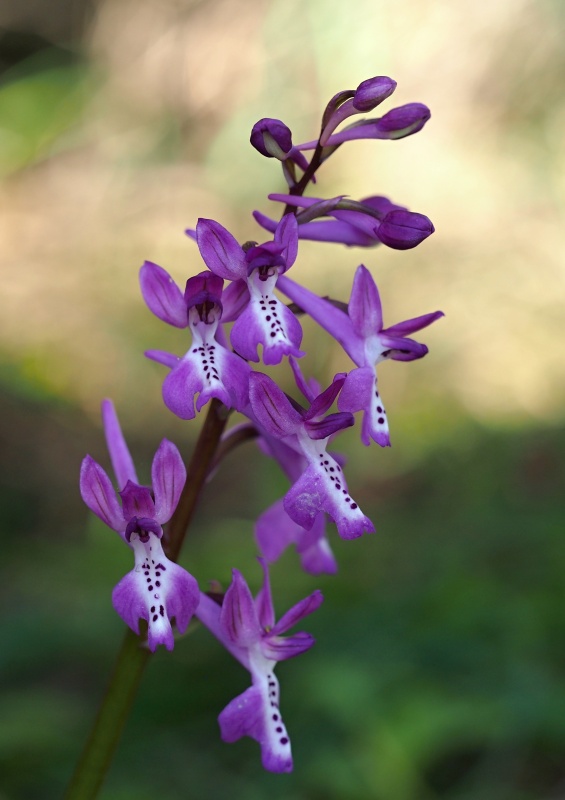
<point x="322" y="486"/>
<point x="265" y="320"/>
<point x="361" y="333"/>
<point x="247" y="628"/>
<point x="208" y="369"/>
<point x="156" y="590"/>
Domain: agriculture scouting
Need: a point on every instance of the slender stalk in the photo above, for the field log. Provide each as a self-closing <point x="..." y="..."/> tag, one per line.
<point x="133" y="656"/>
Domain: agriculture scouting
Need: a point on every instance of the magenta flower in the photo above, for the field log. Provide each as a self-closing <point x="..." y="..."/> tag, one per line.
<point x="322" y="486"/>
<point x="265" y="320"/>
<point x="361" y="334"/>
<point x="156" y="590"/>
<point x="376" y="221"/>
<point x="208" y="369"/>
<point x="247" y="628"/>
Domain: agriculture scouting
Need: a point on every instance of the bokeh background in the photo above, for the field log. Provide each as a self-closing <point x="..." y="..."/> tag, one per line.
<point x="439" y="670"/>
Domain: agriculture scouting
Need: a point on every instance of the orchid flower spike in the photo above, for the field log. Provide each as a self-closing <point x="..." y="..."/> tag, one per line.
<point x="208" y="369"/>
<point x="247" y="628"/>
<point x="156" y="590"/>
<point x="361" y="333"/>
<point x="322" y="486"/>
<point x="265" y="320"/>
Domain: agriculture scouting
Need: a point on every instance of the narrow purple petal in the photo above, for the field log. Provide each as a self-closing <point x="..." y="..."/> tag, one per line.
<point x="120" y="456"/>
<point x="311" y="388"/>
<point x="162" y="296"/>
<point x="318" y="559"/>
<point x="220" y="250"/>
<point x="287" y="235"/>
<point x="324" y="401"/>
<point x="365" y="309"/>
<point x="235" y="299"/>
<point x="272" y="407"/>
<point x="321" y="429"/>
<point x="402" y="349"/>
<point x="168" y="475"/>
<point x="98" y="493"/>
<point x="265" y="222"/>
<point x="281" y="649"/>
<point x="264" y="599"/>
<point x="412" y="325"/>
<point x="162" y="357"/>
<point x="293" y="616"/>
<point x="238" y="614"/>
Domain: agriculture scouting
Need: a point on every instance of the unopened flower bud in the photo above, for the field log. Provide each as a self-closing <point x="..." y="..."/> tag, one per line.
<point x="372" y="92"/>
<point x="403" y="230"/>
<point x="404" y="120"/>
<point x="272" y="138"/>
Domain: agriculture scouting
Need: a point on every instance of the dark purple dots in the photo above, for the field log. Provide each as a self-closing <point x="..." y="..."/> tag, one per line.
<point x="379" y="409"/>
<point x="284" y="740"/>
<point x="155" y="617"/>
<point x="273" y="334"/>
<point x="152" y="609"/>
<point x="275" y="717"/>
<point x="381" y="420"/>
<point x="150" y="588"/>
<point x="157" y="583"/>
<point x="354" y="506"/>
<point x="279" y="729"/>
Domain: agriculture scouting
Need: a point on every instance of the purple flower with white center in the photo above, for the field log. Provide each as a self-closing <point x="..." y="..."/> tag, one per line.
<point x="208" y="369"/>
<point x="322" y="486"/>
<point x="265" y="320"/>
<point x="372" y="221"/>
<point x="247" y="628"/>
<point x="156" y="590"/>
<point x="361" y="334"/>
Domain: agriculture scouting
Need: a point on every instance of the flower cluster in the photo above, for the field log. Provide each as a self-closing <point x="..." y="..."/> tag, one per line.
<point x="237" y="316"/>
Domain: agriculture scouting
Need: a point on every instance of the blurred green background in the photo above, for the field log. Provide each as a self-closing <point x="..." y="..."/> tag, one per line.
<point x="439" y="670"/>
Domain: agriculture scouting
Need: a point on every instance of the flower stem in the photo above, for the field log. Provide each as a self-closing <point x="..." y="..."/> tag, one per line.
<point x="133" y="656"/>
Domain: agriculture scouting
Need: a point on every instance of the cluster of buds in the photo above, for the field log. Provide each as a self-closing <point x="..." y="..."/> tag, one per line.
<point x="236" y="319"/>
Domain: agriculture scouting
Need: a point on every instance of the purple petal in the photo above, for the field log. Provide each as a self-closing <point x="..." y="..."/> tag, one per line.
<point x="360" y="393"/>
<point x="401" y="349"/>
<point x="203" y="288"/>
<point x="403" y="230"/>
<point x="272" y="407"/>
<point x="137" y="501"/>
<point x="220" y="250"/>
<point x="98" y="493"/>
<point x="264" y="599"/>
<point x="238" y="615"/>
<point x="119" y="453"/>
<point x="365" y="309"/>
<point x="298" y="612"/>
<point x="235" y="299"/>
<point x="168" y="475"/>
<point x="332" y="319"/>
<point x="180" y="387"/>
<point x="324" y="401"/>
<point x="287" y="235"/>
<point x="310" y="389"/>
<point x="162" y="296"/>
<point x="321" y="429"/>
<point x="412" y="325"/>
<point x="162" y="357"/>
<point x="253" y="714"/>
<point x="275" y="531"/>
<point x="280" y="649"/>
<point x="318" y="559"/>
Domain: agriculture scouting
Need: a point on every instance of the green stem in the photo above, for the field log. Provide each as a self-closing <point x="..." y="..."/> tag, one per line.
<point x="133" y="656"/>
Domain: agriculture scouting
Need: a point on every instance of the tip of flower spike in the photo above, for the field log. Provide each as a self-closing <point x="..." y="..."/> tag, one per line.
<point x="373" y="91"/>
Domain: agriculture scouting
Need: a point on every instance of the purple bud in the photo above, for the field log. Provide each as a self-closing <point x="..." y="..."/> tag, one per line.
<point x="403" y="230"/>
<point x="272" y="138"/>
<point x="372" y="92"/>
<point x="404" y="120"/>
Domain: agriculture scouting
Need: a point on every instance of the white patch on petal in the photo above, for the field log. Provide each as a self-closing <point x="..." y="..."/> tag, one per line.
<point x="267" y="309"/>
<point x="276" y="737"/>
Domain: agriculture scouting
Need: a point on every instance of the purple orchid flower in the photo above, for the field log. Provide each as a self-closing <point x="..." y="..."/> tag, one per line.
<point x="208" y="369"/>
<point x="247" y="628"/>
<point x="383" y="222"/>
<point x="265" y="320"/>
<point x="361" y="333"/>
<point x="156" y="590"/>
<point x="322" y="486"/>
